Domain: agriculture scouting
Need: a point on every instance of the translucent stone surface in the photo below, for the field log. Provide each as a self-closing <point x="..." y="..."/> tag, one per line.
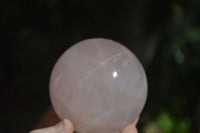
<point x="99" y="85"/>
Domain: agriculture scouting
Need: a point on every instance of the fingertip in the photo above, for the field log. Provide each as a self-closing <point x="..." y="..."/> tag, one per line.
<point x="135" y="122"/>
<point x="129" y="129"/>
<point x="67" y="126"/>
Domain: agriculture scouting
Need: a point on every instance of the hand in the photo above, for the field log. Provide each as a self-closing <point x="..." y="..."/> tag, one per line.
<point x="65" y="126"/>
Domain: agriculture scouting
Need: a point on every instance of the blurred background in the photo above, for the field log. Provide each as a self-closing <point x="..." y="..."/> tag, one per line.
<point x="165" y="36"/>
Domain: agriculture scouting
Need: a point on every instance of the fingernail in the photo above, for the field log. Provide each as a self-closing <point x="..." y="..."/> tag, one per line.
<point x="59" y="126"/>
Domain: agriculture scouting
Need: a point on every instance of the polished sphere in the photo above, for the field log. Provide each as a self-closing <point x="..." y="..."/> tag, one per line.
<point x="99" y="85"/>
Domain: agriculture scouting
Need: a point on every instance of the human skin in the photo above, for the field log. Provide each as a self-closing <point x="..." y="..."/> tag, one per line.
<point x="65" y="126"/>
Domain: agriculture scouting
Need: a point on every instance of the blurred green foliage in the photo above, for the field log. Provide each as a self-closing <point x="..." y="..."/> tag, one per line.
<point x="171" y="123"/>
<point x="179" y="75"/>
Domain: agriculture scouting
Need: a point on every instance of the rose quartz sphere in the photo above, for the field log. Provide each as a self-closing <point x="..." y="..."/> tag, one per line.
<point x="99" y="85"/>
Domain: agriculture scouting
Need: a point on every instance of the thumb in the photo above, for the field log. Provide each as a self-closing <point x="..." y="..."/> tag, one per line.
<point x="131" y="128"/>
<point x="65" y="126"/>
<point x="135" y="122"/>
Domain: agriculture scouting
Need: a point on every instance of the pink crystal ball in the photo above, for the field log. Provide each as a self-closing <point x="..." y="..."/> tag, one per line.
<point x="99" y="85"/>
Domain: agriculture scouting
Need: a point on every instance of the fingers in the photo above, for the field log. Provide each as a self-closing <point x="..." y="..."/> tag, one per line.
<point x="131" y="128"/>
<point x="135" y="122"/>
<point x="65" y="126"/>
<point x="68" y="126"/>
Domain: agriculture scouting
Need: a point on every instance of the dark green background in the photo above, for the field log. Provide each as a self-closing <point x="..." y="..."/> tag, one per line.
<point x="164" y="34"/>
